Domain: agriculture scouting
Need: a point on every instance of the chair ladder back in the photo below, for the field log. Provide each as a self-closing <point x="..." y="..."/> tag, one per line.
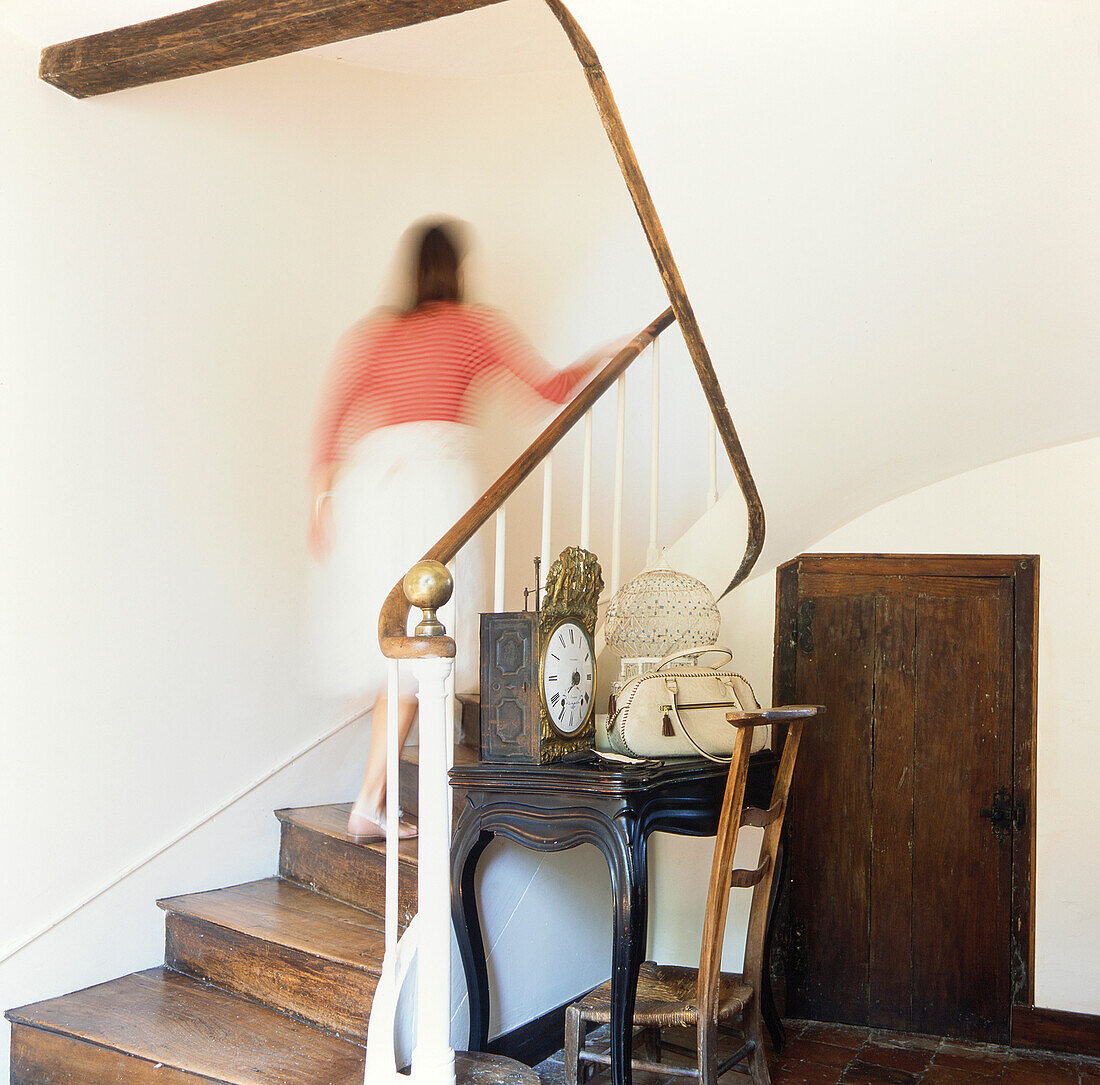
<point x="725" y="844"/>
<point x="769" y="847"/>
<point x="748" y="879"/>
<point x="760" y="819"/>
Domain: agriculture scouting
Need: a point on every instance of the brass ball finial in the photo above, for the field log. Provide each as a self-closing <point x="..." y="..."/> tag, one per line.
<point x="428" y="585"/>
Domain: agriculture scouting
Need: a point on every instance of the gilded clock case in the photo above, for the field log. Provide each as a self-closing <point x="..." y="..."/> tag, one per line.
<point x="515" y="725"/>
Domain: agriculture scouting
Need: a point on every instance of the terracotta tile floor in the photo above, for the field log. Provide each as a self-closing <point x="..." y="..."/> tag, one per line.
<point x="824" y="1054"/>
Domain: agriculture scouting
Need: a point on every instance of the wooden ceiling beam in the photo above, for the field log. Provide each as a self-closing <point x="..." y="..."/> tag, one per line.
<point x="222" y="35"/>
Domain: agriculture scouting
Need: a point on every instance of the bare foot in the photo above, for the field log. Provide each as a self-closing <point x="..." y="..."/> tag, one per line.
<point x="365" y="825"/>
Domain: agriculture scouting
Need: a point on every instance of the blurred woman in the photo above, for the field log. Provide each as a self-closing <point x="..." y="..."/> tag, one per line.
<point x="394" y="468"/>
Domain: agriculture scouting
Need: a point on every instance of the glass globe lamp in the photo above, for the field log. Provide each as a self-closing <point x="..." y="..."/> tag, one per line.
<point x="660" y="612"/>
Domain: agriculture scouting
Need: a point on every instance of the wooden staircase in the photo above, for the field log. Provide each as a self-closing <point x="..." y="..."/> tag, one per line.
<point x="271" y="981"/>
<point x="266" y="983"/>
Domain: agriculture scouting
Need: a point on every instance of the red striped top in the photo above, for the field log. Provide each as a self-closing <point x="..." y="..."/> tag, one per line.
<point x="418" y="367"/>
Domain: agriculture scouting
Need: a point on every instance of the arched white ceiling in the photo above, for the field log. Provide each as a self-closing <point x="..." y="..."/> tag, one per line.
<point x="887" y="218"/>
<point x="503" y="39"/>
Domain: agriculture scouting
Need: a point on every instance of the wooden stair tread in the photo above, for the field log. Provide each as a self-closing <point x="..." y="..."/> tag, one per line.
<point x="332" y="821"/>
<point x="176" y="1021"/>
<point x="286" y="914"/>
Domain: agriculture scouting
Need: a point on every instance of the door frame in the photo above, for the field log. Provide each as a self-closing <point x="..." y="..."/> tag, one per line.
<point x="1022" y="570"/>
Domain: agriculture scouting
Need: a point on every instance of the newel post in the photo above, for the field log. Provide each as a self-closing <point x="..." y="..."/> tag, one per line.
<point x="428" y="586"/>
<point x="427" y="940"/>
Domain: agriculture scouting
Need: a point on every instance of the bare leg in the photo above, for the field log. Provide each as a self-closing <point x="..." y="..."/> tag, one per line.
<point x="368" y="812"/>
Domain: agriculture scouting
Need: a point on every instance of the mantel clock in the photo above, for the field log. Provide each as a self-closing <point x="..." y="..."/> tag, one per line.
<point x="538" y="669"/>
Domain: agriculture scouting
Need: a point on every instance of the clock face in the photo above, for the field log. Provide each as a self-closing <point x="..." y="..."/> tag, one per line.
<point x="568" y="677"/>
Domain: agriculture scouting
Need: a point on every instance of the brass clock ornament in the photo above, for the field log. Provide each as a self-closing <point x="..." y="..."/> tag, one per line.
<point x="538" y="668"/>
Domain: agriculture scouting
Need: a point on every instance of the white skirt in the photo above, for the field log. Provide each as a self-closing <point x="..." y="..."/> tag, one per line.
<point x="403" y="488"/>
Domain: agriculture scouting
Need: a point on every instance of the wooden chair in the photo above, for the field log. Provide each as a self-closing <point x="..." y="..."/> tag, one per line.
<point x="671" y="996"/>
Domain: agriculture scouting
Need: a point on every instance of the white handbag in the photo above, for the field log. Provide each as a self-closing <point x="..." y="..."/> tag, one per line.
<point x="681" y="711"/>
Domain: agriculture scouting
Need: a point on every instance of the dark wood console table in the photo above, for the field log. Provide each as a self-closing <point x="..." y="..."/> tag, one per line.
<point x="555" y="807"/>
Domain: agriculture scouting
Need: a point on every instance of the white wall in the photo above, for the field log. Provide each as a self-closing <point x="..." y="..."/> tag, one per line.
<point x="1043" y="503"/>
<point x="159" y="306"/>
<point x="164" y="288"/>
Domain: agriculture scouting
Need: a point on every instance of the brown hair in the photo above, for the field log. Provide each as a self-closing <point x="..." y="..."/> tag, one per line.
<point x="437" y="263"/>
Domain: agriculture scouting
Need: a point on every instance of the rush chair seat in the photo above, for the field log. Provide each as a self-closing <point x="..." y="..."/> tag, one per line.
<point x="674" y="996"/>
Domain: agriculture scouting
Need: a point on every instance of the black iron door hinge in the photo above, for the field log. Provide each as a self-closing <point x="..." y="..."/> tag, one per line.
<point x="1005" y="815"/>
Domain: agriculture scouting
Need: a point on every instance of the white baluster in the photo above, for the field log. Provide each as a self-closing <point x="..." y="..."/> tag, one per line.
<point x="393" y="796"/>
<point x="427" y="939"/>
<point x="617" y="500"/>
<point x="498" y="582"/>
<point x="586" y="484"/>
<point x="380" y="1067"/>
<point x="429" y="585"/>
<point x="712" y="458"/>
<point x="433" y="1058"/>
<point x="654" y="452"/>
<point x="452" y="568"/>
<point x="547" y="512"/>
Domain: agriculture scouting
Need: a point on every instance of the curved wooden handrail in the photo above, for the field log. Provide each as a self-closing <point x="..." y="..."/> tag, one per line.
<point x="393" y="620"/>
<point x="670" y="274"/>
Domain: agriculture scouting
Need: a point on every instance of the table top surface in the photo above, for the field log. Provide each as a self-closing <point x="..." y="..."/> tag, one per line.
<point x="602" y="778"/>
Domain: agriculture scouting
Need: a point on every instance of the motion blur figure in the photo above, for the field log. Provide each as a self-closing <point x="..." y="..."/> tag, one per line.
<point x="394" y="468"/>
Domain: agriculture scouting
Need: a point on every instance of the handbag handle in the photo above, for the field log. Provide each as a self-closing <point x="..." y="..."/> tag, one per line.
<point x="686" y="733"/>
<point x="695" y="652"/>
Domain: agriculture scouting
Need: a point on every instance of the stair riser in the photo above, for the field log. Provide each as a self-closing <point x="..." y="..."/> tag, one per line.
<point x="331" y="994"/>
<point x="408" y="779"/>
<point x="409" y="790"/>
<point x="344" y="871"/>
<point x="45" y="1058"/>
<point x="470" y="724"/>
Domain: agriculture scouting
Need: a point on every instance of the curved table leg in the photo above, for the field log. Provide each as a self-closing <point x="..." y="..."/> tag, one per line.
<point x="469" y="843"/>
<point x="629" y="889"/>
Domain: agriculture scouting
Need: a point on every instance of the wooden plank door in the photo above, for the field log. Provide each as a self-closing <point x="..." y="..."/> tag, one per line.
<point x="900" y="892"/>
